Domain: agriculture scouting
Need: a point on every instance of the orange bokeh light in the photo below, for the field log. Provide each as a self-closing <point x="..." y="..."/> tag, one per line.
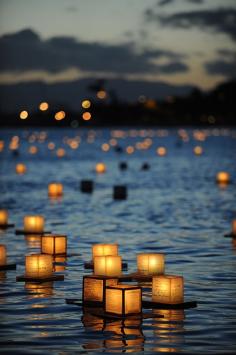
<point x="24" y="114"/>
<point x="86" y="116"/>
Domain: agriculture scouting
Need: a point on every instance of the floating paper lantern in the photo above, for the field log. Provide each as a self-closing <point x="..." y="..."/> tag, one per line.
<point x="100" y="168"/>
<point x="223" y="177"/>
<point x="151" y="264"/>
<point x="168" y="289"/>
<point x="33" y="224"/>
<point x="119" y="192"/>
<point x="107" y="265"/>
<point x="86" y="186"/>
<point x="20" y="168"/>
<point x="94" y="287"/>
<point x="38" y="265"/>
<point x="198" y="150"/>
<point x="104" y="249"/>
<point x="234" y="227"/>
<point x="55" y="189"/>
<point x="3" y="217"/>
<point x="161" y="151"/>
<point x="53" y="244"/>
<point x="3" y="255"/>
<point x="123" y="299"/>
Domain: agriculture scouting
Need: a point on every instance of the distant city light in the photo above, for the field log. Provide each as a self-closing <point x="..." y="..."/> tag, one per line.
<point x="60" y="115"/>
<point x="86" y="104"/>
<point x="86" y="116"/>
<point x="23" y="115"/>
<point x="43" y="106"/>
<point x="101" y="94"/>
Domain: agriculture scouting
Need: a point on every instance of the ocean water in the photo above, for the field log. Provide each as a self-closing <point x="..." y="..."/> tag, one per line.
<point x="175" y="208"/>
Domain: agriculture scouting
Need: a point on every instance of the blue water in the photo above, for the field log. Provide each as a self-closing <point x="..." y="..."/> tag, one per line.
<point x="175" y="208"/>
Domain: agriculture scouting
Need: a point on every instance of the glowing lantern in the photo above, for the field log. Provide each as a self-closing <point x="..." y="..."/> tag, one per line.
<point x="168" y="289"/>
<point x="53" y="244"/>
<point x="86" y="116"/>
<point x="55" y="189"/>
<point x="3" y="255"/>
<point x="3" y="217"/>
<point x="23" y="115"/>
<point x="94" y="287"/>
<point x="60" y="115"/>
<point x="151" y="264"/>
<point x="123" y="299"/>
<point x="86" y="104"/>
<point x="161" y="151"/>
<point x="100" y="168"/>
<point x="43" y="106"/>
<point x="38" y="265"/>
<point x="234" y="227"/>
<point x="104" y="249"/>
<point x="107" y="265"/>
<point x="20" y="168"/>
<point x="101" y="94"/>
<point x="223" y="177"/>
<point x="198" y="150"/>
<point x="33" y="224"/>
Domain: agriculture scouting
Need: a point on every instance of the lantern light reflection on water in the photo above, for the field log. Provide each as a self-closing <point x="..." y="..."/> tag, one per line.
<point x="168" y="289"/>
<point x="151" y="264"/>
<point x="34" y="224"/>
<point x="123" y="299"/>
<point x="234" y="227"/>
<point x="107" y="265"/>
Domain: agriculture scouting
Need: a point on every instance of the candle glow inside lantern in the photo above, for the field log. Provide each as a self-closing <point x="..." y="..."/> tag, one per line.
<point x="54" y="244"/>
<point x="33" y="224"/>
<point x="123" y="299"/>
<point x="3" y="255"/>
<point x="38" y="266"/>
<point x="3" y="217"/>
<point x="104" y="249"/>
<point x="107" y="265"/>
<point x="223" y="177"/>
<point x="20" y="168"/>
<point x="94" y="287"/>
<point x="55" y="189"/>
<point x="168" y="289"/>
<point x="151" y="264"/>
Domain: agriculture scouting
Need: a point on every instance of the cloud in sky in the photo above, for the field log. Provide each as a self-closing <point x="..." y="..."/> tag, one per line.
<point x="222" y="20"/>
<point x="168" y="2"/>
<point x="26" y="51"/>
<point x="224" y="64"/>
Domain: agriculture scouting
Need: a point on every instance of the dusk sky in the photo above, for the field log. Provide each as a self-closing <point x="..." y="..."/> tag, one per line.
<point x="175" y="41"/>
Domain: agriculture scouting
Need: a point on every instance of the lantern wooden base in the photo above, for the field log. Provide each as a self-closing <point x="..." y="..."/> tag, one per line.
<point x="184" y="305"/>
<point x="8" y="267"/>
<point x="21" y="231"/>
<point x="8" y="225"/>
<point x="230" y="235"/>
<point x="90" y="265"/>
<point x="24" y="278"/>
<point x="135" y="276"/>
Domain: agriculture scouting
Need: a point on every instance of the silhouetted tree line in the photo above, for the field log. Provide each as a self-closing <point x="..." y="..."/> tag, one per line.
<point x="216" y="107"/>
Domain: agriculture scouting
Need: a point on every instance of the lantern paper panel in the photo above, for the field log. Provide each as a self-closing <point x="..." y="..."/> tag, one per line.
<point x="55" y="189"/>
<point x="54" y="244"/>
<point x="3" y="217"/>
<point x="151" y="264"/>
<point x="123" y="299"/>
<point x="168" y="289"/>
<point x="107" y="265"/>
<point x="94" y="287"/>
<point x="104" y="249"/>
<point x="34" y="224"/>
<point x="38" y="265"/>
<point x="20" y="168"/>
<point x="3" y="255"/>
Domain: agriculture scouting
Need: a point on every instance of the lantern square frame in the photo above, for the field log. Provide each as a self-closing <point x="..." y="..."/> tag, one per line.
<point x="54" y="236"/>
